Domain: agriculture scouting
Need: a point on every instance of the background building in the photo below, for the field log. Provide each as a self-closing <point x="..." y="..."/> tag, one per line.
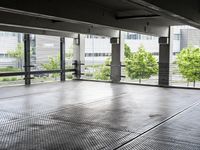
<point x="96" y="48"/>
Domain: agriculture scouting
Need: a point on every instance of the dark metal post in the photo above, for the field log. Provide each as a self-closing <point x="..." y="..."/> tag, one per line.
<point x="27" y="67"/>
<point x="62" y="58"/>
<point x="77" y="66"/>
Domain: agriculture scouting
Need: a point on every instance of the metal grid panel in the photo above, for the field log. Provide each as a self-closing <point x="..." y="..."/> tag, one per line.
<point x="121" y="113"/>
<point x="63" y="120"/>
<point x="179" y="133"/>
<point x="39" y="134"/>
<point x="7" y="117"/>
<point x="160" y="144"/>
<point x="26" y="105"/>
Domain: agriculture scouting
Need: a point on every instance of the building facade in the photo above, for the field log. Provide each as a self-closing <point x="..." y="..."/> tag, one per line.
<point x="96" y="48"/>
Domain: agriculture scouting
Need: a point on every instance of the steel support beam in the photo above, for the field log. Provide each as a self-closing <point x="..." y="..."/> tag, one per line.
<point x="27" y="66"/>
<point x="62" y="58"/>
<point x="9" y="74"/>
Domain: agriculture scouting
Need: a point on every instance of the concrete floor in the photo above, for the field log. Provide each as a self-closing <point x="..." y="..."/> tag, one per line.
<point x="92" y="115"/>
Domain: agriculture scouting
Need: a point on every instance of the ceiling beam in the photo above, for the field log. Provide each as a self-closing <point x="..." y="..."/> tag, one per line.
<point x="27" y="24"/>
<point x="84" y="13"/>
<point x="28" y="30"/>
<point x="137" y="17"/>
<point x="184" y="11"/>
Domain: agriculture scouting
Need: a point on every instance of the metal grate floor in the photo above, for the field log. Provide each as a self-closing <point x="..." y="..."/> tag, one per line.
<point x="88" y="115"/>
<point x="47" y="134"/>
<point x="181" y="132"/>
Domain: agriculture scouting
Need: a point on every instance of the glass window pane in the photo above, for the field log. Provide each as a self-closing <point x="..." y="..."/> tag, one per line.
<point x="11" y="56"/>
<point x="97" y="57"/>
<point x="45" y="55"/>
<point x="185" y="58"/>
<point x="141" y="56"/>
<point x="69" y="56"/>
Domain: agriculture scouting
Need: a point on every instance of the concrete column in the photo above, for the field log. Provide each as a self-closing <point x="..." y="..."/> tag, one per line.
<point x="116" y="62"/>
<point x="122" y="42"/>
<point x="62" y="58"/>
<point x="79" y="54"/>
<point x="122" y="57"/>
<point x="164" y="61"/>
<point x="27" y="66"/>
<point x="171" y="45"/>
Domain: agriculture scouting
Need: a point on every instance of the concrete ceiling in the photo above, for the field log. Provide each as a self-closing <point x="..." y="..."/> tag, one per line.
<point x="101" y="17"/>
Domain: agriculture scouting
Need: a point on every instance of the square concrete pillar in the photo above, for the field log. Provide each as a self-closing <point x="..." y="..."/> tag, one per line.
<point x="122" y="44"/>
<point x="164" y="61"/>
<point x="116" y="60"/>
<point x="171" y="45"/>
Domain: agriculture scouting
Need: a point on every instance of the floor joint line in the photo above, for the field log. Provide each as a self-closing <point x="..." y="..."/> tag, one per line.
<point x="159" y="124"/>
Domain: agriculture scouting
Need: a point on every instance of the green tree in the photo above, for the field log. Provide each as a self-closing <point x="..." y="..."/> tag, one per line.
<point x="141" y="64"/>
<point x="104" y="72"/>
<point x="188" y="61"/>
<point x="18" y="53"/>
<point x="127" y="51"/>
<point x="53" y="64"/>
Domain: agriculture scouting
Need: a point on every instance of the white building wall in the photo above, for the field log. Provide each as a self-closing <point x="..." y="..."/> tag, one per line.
<point x="176" y="46"/>
<point x="96" y="45"/>
<point x="46" y="46"/>
<point x="68" y="44"/>
<point x="151" y="46"/>
<point x="8" y="43"/>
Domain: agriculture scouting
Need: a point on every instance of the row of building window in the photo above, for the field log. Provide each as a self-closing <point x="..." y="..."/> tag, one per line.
<point x="136" y="36"/>
<point x="95" y="37"/>
<point x="108" y="54"/>
<point x="97" y="54"/>
<point x="177" y="36"/>
<point x="3" y="55"/>
<point x="8" y="34"/>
